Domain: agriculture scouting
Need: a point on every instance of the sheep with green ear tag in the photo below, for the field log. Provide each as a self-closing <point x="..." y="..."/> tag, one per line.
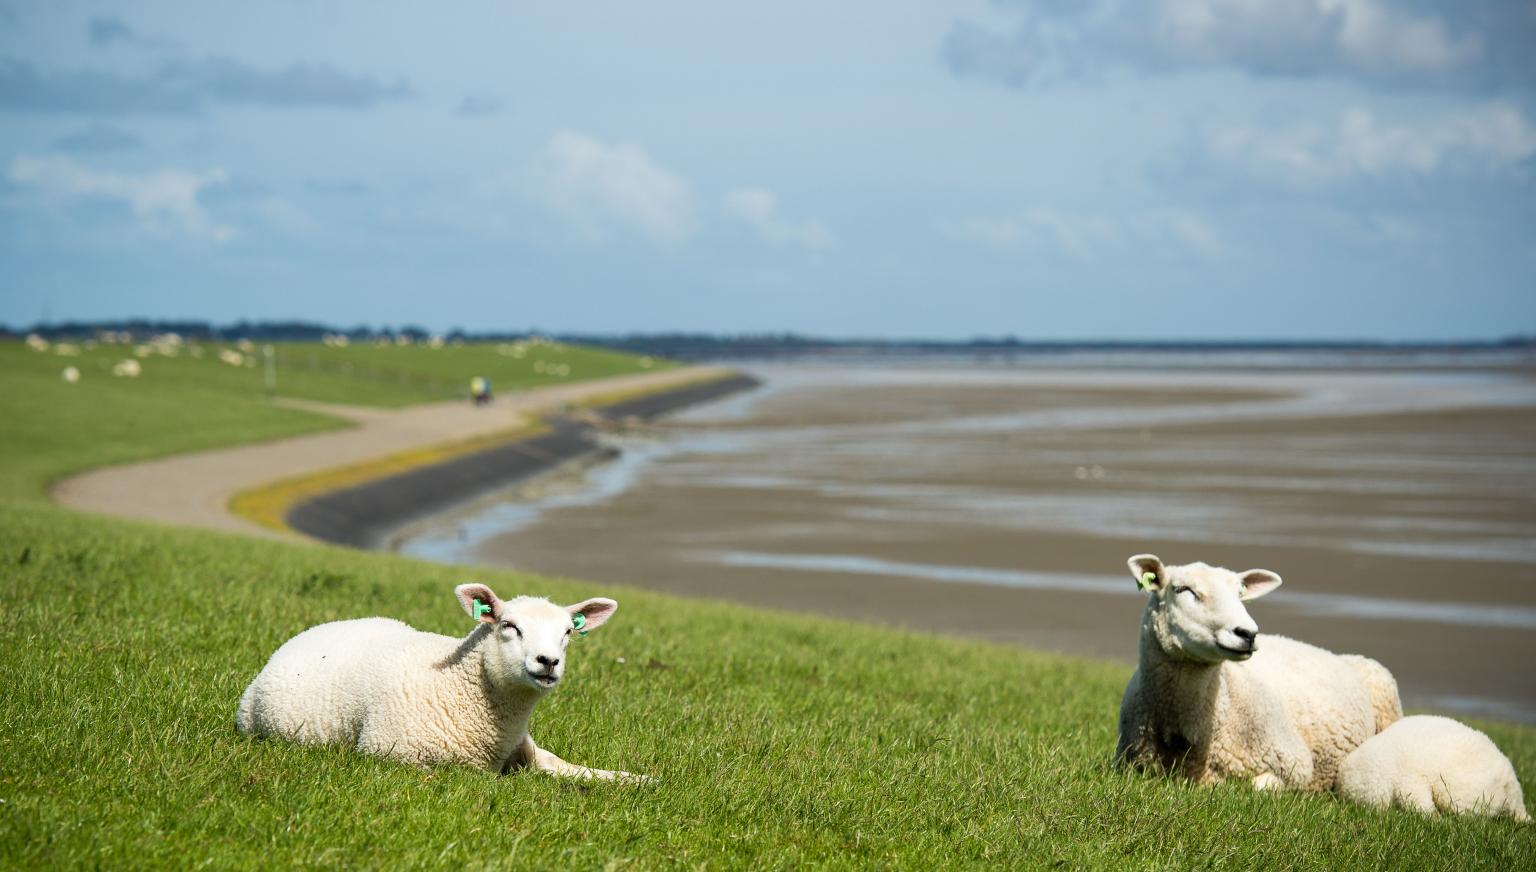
<point x="1212" y="700"/>
<point x="388" y="689"/>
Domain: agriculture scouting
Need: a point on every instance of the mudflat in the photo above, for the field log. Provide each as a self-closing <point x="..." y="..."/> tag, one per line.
<point x="1399" y="507"/>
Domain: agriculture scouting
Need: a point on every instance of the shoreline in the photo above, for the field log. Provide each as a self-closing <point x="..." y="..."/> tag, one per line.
<point x="403" y="540"/>
<point x="196" y="489"/>
<point x="372" y="514"/>
<point x="1368" y="509"/>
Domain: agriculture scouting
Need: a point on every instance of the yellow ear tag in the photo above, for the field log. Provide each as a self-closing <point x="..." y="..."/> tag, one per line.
<point x="1147" y="580"/>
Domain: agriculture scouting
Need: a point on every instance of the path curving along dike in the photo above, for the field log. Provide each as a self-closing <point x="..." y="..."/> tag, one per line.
<point x="199" y="489"/>
<point x="367" y="514"/>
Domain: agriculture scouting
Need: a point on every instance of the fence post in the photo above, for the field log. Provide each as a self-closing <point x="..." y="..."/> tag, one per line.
<point x="271" y="380"/>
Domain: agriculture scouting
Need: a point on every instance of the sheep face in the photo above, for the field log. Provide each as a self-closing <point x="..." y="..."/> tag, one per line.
<point x="1196" y="611"/>
<point x="529" y="635"/>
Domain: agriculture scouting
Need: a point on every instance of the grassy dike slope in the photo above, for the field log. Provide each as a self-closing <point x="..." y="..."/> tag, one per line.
<point x="50" y="429"/>
<point x="777" y="740"/>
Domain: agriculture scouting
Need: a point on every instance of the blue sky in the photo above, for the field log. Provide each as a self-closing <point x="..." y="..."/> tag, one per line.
<point x="1098" y="169"/>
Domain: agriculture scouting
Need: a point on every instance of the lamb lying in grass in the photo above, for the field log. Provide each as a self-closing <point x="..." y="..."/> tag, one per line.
<point x="387" y="689"/>
<point x="1210" y="701"/>
<point x="1429" y="764"/>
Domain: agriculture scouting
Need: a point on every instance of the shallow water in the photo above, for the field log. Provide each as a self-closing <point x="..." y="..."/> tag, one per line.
<point x="1393" y="501"/>
<point x="1331" y="605"/>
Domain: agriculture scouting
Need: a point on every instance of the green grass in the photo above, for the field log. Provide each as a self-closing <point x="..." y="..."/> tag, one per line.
<point x="184" y="403"/>
<point x="778" y="741"/>
<point x="406" y="374"/>
<point x="52" y="429"/>
<point x="359" y="374"/>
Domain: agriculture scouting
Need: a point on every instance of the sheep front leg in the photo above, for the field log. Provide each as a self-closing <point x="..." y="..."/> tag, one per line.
<point x="1288" y="765"/>
<point x="546" y="761"/>
<point x="1268" y="781"/>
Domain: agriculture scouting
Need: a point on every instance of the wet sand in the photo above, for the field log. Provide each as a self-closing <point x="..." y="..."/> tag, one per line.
<point x="1399" y="507"/>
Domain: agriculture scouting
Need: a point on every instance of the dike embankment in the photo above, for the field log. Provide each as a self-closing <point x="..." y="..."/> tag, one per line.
<point x="365" y="515"/>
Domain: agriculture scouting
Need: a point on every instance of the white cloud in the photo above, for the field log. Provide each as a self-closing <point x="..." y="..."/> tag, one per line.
<point x="597" y="185"/>
<point x="1076" y="235"/>
<point x="1187" y="229"/>
<point x="1086" y="237"/>
<point x="759" y="208"/>
<point x="1387" y="41"/>
<point x="1367" y="36"/>
<point x="162" y="200"/>
<point x="1358" y="144"/>
<point x="1376" y="36"/>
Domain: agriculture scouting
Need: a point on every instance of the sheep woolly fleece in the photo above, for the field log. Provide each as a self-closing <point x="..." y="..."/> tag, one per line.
<point x="1428" y="764"/>
<point x="1212" y="701"/>
<point x="388" y="689"/>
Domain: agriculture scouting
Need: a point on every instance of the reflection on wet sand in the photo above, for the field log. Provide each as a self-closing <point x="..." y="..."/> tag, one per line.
<point x="1399" y="506"/>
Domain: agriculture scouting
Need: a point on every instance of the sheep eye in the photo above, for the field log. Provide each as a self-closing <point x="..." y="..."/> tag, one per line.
<point x="511" y="626"/>
<point x="1180" y="588"/>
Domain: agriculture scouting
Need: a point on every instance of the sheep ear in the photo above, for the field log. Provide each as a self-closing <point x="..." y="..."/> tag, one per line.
<point x="1148" y="571"/>
<point x="474" y="598"/>
<point x="596" y="611"/>
<point x="1257" y="582"/>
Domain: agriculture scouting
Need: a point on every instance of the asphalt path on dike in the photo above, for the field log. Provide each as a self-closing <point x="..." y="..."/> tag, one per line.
<point x="195" y="489"/>
<point x="365" y="515"/>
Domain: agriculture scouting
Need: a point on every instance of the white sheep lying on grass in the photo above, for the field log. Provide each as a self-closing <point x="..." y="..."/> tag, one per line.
<point x="1428" y="764"/>
<point x="388" y="689"/>
<point x="1209" y="700"/>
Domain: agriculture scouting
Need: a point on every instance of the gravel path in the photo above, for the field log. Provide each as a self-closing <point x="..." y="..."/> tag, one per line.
<point x="195" y="489"/>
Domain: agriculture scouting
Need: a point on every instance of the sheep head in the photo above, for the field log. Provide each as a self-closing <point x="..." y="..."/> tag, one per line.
<point x="1195" y="612"/>
<point x="527" y="636"/>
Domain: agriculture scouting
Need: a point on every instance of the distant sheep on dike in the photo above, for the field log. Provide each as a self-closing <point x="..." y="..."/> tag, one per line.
<point x="1213" y="701"/>
<point x="387" y="689"/>
<point x="1427" y="764"/>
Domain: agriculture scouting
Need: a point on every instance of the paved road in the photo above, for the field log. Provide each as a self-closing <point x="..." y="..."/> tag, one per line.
<point x="195" y="489"/>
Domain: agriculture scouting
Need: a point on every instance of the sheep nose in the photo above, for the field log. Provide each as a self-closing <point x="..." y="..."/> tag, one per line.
<point x="1245" y="634"/>
<point x="547" y="662"/>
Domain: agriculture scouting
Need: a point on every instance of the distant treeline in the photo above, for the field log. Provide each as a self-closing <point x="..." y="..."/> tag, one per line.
<point x="689" y="346"/>
<point x="277" y="331"/>
<point x="707" y="346"/>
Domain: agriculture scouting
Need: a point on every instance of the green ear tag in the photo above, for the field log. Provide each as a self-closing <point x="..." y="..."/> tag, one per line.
<point x="1147" y="580"/>
<point x="578" y="621"/>
<point x="481" y="609"/>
